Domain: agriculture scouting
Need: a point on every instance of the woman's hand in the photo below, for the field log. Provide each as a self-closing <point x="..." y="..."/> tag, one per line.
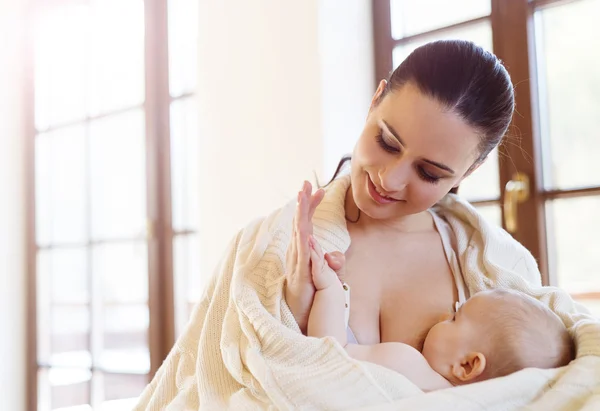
<point x="299" y="289"/>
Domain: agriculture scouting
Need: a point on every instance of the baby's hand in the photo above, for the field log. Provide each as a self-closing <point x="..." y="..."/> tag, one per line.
<point x="322" y="274"/>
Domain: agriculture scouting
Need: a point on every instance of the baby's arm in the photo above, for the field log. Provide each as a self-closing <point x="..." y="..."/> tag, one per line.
<point x="327" y="319"/>
<point x="327" y="315"/>
<point x="401" y="358"/>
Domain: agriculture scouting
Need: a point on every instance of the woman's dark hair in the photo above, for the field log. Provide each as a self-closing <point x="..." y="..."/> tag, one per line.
<point x="467" y="80"/>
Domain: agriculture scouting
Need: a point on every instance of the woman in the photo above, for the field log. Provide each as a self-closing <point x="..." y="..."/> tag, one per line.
<point x="429" y="127"/>
<point x="411" y="254"/>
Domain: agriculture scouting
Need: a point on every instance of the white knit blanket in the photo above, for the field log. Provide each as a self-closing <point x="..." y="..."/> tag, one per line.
<point x="242" y="349"/>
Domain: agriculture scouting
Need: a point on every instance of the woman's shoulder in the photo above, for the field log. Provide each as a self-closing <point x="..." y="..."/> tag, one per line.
<point x="464" y="219"/>
<point x="484" y="243"/>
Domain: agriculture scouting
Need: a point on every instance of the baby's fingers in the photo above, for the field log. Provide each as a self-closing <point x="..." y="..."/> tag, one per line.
<point x="314" y="244"/>
<point x="317" y="270"/>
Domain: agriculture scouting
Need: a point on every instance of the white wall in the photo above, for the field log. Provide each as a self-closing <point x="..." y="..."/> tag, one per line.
<point x="12" y="269"/>
<point x="347" y="74"/>
<point x="283" y="87"/>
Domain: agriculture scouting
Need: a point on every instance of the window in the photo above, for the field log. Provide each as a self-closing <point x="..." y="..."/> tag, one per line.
<point x="550" y="48"/>
<point x="569" y="102"/>
<point x="113" y="153"/>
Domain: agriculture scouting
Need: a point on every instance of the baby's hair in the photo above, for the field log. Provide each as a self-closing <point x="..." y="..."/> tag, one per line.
<point x="524" y="333"/>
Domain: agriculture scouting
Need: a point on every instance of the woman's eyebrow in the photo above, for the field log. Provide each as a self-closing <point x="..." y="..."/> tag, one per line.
<point x="439" y="165"/>
<point x="384" y="125"/>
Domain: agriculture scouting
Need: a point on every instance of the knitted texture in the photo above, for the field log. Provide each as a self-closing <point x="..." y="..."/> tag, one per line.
<point x="242" y="349"/>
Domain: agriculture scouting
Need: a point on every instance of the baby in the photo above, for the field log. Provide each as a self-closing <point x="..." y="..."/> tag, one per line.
<point x="494" y="333"/>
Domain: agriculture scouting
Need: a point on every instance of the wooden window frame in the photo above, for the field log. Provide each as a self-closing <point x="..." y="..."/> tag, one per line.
<point x="514" y="44"/>
<point x="512" y="40"/>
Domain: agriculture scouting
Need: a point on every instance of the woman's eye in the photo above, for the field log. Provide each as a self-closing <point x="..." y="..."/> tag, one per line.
<point x="423" y="174"/>
<point x="428" y="177"/>
<point x="384" y="145"/>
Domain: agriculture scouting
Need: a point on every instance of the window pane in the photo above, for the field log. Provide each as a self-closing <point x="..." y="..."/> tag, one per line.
<point x="66" y="270"/>
<point x="491" y="213"/>
<point x="480" y="33"/>
<point x="64" y="315"/>
<point x="122" y="271"/>
<point x="118" y="186"/>
<point x="63" y="328"/>
<point x="117" y="55"/>
<point x="118" y="405"/>
<point x="125" y="342"/>
<point x="62" y="388"/>
<point x="483" y="183"/>
<point x="60" y="186"/>
<point x="569" y="51"/>
<point x="189" y="282"/>
<point x="121" y="389"/>
<point x="60" y="50"/>
<point x="70" y="327"/>
<point x="43" y="304"/>
<point x="184" y="164"/>
<point x="412" y="17"/>
<point x="573" y="233"/>
<point x="183" y="46"/>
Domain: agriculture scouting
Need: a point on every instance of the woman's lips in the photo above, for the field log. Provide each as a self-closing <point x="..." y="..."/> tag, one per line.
<point x="378" y="198"/>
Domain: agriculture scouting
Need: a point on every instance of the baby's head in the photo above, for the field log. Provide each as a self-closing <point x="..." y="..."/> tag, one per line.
<point x="496" y="333"/>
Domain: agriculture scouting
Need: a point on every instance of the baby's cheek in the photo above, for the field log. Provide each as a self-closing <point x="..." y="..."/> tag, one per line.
<point x="433" y="354"/>
<point x="447" y="316"/>
<point x="431" y="345"/>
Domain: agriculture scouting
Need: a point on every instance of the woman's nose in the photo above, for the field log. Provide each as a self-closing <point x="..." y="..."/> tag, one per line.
<point x="394" y="178"/>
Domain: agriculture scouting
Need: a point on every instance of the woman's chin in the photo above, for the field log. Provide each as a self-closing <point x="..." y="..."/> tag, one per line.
<point x="377" y="211"/>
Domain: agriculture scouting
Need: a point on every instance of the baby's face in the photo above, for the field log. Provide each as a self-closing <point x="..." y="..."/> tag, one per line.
<point x="448" y="342"/>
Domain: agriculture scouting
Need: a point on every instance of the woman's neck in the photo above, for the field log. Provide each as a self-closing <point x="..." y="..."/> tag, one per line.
<point x="407" y="223"/>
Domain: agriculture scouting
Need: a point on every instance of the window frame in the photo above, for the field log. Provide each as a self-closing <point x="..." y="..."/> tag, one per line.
<point x="514" y="43"/>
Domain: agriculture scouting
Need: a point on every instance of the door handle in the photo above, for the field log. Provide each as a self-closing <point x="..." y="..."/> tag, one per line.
<point x="515" y="192"/>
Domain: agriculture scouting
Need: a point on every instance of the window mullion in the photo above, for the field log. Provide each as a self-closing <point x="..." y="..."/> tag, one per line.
<point x="157" y="104"/>
<point x="383" y="43"/>
<point x="510" y="26"/>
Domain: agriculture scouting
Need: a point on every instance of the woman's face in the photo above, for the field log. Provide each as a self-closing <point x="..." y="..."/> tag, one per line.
<point x="412" y="151"/>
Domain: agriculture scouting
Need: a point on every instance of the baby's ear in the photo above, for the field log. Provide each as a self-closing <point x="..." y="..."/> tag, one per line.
<point x="469" y="368"/>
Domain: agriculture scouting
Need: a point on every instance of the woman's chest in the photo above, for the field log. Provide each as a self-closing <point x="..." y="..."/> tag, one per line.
<point x="399" y="291"/>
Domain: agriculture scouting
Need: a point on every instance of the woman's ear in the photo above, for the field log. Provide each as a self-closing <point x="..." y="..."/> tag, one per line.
<point x="470" y="368"/>
<point x="378" y="94"/>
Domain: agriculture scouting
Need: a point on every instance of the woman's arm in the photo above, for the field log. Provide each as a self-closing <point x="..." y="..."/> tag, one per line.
<point x="299" y="289"/>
